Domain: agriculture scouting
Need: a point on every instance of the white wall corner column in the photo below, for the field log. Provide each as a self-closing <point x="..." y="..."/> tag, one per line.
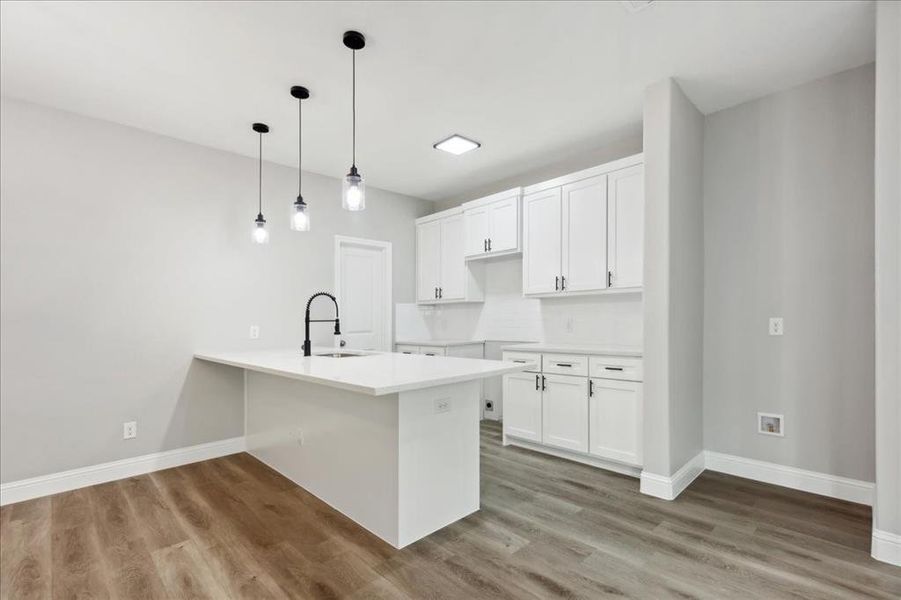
<point x="673" y="290"/>
<point x="886" y="544"/>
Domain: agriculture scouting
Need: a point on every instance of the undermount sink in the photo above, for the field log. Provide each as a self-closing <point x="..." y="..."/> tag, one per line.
<point x="338" y="354"/>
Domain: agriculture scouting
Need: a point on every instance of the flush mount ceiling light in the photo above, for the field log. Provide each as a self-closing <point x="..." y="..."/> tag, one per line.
<point x="353" y="190"/>
<point x="300" y="220"/>
<point x="260" y="235"/>
<point x="457" y="144"/>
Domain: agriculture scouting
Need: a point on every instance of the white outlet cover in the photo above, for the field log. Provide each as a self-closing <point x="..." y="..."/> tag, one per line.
<point x="254" y="332"/>
<point x="771" y="424"/>
<point x="129" y="430"/>
<point x="776" y="326"/>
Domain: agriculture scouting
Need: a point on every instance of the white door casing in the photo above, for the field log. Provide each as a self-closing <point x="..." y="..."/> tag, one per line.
<point x="363" y="289"/>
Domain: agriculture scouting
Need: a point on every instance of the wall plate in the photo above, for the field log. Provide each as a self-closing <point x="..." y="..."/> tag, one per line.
<point x="771" y="424"/>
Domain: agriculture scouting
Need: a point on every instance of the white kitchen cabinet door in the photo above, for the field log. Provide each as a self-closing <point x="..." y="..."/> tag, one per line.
<point x="541" y="242"/>
<point x="614" y="409"/>
<point x="477" y="222"/>
<point x="625" y="227"/>
<point x="584" y="259"/>
<point x="428" y="259"/>
<point x="504" y="222"/>
<point x="564" y="412"/>
<point x="522" y="406"/>
<point x="452" y="283"/>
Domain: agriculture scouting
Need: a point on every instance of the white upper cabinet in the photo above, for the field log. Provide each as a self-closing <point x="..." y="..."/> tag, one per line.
<point x="625" y="227"/>
<point x="428" y="259"/>
<point x="542" y="247"/>
<point x="453" y="263"/>
<point x="442" y="273"/>
<point x="493" y="225"/>
<point x="585" y="235"/>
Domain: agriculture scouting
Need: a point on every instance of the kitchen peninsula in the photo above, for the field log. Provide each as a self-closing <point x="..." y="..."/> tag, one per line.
<point x="390" y="440"/>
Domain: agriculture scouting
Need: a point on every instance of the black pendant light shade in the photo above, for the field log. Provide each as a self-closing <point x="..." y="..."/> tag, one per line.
<point x="353" y="189"/>
<point x="260" y="235"/>
<point x="300" y="219"/>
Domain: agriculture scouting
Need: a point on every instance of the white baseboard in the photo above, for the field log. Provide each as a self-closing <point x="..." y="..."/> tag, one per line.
<point x="64" y="481"/>
<point x="668" y="488"/>
<point x="886" y="547"/>
<point x="843" y="488"/>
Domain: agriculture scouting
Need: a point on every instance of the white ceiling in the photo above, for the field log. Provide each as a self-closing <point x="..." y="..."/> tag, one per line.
<point x="532" y="81"/>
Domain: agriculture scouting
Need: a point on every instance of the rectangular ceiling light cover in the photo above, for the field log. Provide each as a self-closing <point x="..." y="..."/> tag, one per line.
<point x="457" y="144"/>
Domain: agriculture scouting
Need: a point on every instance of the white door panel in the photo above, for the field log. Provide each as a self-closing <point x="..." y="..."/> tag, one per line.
<point x="477" y="222"/>
<point x="625" y="224"/>
<point x="363" y="291"/>
<point x="541" y="242"/>
<point x="585" y="234"/>
<point x="615" y="420"/>
<point x="428" y="259"/>
<point x="452" y="282"/>
<point x="504" y="221"/>
<point x="522" y="406"/>
<point x="564" y="422"/>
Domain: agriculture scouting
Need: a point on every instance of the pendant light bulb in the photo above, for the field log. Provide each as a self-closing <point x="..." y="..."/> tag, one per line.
<point x="260" y="235"/>
<point x="353" y="189"/>
<point x="300" y="219"/>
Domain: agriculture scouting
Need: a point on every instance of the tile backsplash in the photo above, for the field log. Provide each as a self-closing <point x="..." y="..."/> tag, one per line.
<point x="506" y="315"/>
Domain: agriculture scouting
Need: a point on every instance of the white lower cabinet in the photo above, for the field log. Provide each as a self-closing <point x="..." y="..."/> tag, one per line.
<point x="564" y="412"/>
<point x="614" y="420"/>
<point x="522" y="406"/>
<point x="584" y="407"/>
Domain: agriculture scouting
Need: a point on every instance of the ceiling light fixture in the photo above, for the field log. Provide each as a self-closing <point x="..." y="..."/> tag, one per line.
<point x="300" y="220"/>
<point x="457" y="144"/>
<point x="260" y="235"/>
<point x="353" y="190"/>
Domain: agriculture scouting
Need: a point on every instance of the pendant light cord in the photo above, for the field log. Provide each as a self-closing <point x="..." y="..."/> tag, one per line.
<point x="354" y="105"/>
<point x="299" y="146"/>
<point x="261" y="175"/>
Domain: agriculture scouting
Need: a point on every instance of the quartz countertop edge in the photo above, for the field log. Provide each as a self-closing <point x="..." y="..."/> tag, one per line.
<point x="375" y="374"/>
<point x="575" y="349"/>
<point x="438" y="342"/>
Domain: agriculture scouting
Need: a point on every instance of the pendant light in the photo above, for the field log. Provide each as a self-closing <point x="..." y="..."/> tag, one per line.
<point x="353" y="190"/>
<point x="260" y="235"/>
<point x="300" y="220"/>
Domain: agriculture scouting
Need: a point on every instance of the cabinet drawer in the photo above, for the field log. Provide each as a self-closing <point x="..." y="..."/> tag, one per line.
<point x="525" y="357"/>
<point x="406" y="349"/>
<point x="622" y="368"/>
<point x="565" y="364"/>
<point x="433" y="350"/>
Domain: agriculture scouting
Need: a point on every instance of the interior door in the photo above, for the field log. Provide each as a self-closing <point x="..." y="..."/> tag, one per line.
<point x="541" y="242"/>
<point x="522" y="406"/>
<point x="477" y="225"/>
<point x="428" y="259"/>
<point x="614" y="409"/>
<point x="504" y="221"/>
<point x="625" y="227"/>
<point x="452" y="282"/>
<point x="564" y="411"/>
<point x="363" y="294"/>
<point x="585" y="234"/>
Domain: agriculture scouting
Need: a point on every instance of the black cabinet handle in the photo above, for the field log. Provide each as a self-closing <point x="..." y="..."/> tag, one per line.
<point x="441" y="292"/>
<point x="543" y="383"/>
<point x="485" y="245"/>
<point x="556" y="282"/>
<point x="613" y="368"/>
<point x="590" y="388"/>
<point x="430" y="354"/>
<point x="536" y="382"/>
<point x="564" y="364"/>
<point x="609" y="278"/>
<point x="406" y="352"/>
<point x="436" y="292"/>
<point x="489" y="244"/>
<point x="519" y="361"/>
<point x="563" y="282"/>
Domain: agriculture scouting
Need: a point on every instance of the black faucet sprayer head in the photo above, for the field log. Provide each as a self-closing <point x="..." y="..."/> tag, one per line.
<point x="337" y="327"/>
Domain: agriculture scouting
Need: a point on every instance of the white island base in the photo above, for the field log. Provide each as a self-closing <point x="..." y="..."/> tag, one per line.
<point x="402" y="465"/>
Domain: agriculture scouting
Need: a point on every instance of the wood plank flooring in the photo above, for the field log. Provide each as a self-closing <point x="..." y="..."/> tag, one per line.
<point x="548" y="528"/>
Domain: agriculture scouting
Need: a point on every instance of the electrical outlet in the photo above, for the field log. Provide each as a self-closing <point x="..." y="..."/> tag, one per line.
<point x="442" y="405"/>
<point x="254" y="332"/>
<point x="129" y="430"/>
<point x="489" y="405"/>
<point x="776" y="327"/>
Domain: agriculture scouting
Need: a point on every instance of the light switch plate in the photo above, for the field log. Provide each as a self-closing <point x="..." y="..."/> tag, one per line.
<point x="129" y="430"/>
<point x="254" y="332"/>
<point x="776" y="326"/>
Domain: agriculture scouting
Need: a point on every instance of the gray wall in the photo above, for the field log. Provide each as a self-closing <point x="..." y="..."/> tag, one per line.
<point x="887" y="509"/>
<point x="788" y="231"/>
<point x="673" y="279"/>
<point x="122" y="253"/>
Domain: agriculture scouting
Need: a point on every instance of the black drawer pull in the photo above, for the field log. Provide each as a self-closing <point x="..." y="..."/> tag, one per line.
<point x="564" y="364"/>
<point x="614" y="368"/>
<point x="407" y="352"/>
<point x="430" y="354"/>
<point x="519" y="361"/>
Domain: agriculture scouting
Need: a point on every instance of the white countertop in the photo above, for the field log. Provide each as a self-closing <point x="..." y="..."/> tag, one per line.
<point x="575" y="349"/>
<point x="375" y="373"/>
<point x="438" y="342"/>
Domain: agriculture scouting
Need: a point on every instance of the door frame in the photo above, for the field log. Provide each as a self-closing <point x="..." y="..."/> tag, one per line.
<point x="385" y="248"/>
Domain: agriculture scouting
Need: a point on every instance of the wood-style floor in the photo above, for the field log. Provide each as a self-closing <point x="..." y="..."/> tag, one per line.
<point x="548" y="528"/>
